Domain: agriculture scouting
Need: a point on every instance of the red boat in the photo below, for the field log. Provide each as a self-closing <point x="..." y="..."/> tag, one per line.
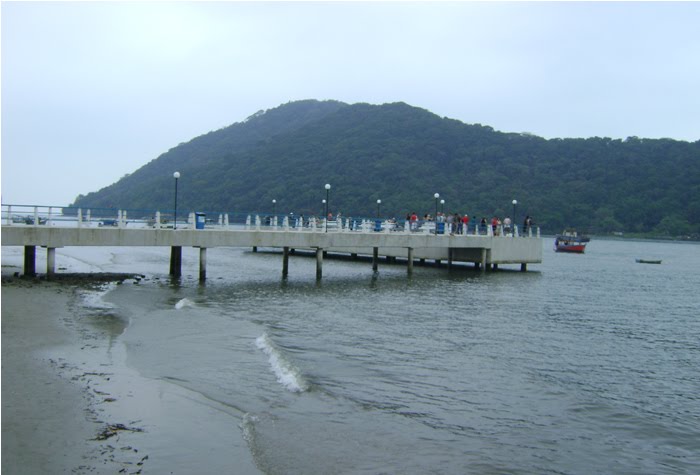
<point x="570" y="241"/>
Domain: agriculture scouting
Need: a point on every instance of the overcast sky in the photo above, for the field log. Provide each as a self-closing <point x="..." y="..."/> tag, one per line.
<point x="94" y="90"/>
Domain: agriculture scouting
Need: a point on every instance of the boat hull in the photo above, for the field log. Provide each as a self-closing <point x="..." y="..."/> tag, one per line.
<point x="575" y="248"/>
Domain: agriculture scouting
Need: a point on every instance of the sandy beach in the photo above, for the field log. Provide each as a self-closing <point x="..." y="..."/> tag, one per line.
<point x="71" y="404"/>
<point x="45" y="426"/>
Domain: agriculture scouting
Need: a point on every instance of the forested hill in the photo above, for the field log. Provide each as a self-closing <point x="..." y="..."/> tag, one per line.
<point x="403" y="155"/>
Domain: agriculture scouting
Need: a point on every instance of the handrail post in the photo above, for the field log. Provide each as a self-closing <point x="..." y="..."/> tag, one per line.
<point x="48" y="220"/>
<point x="157" y="225"/>
<point x="9" y="215"/>
<point x="36" y="216"/>
<point x="80" y="217"/>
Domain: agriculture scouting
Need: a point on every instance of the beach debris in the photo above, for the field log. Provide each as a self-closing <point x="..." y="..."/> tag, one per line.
<point x="113" y="429"/>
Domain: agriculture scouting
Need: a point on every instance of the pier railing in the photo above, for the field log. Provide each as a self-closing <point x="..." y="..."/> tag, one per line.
<point x="60" y="216"/>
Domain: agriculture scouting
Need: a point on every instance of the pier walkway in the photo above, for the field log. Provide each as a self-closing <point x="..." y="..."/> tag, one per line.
<point x="483" y="248"/>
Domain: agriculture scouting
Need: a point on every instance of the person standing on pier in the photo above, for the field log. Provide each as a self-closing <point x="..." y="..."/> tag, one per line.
<point x="506" y="225"/>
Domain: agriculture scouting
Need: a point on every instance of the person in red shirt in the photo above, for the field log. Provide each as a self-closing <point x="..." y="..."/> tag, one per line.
<point x="465" y="223"/>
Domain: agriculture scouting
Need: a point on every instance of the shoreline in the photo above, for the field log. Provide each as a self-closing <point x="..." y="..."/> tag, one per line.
<point x="71" y="403"/>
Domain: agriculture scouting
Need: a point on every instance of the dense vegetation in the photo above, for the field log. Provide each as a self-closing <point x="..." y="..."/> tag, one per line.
<point x="403" y="155"/>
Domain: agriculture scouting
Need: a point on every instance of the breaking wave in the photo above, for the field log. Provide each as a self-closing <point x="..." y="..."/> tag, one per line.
<point x="184" y="303"/>
<point x="287" y="374"/>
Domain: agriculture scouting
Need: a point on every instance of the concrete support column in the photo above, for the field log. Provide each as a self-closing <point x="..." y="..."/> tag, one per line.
<point x="523" y="267"/>
<point x="176" y="261"/>
<point x="50" y="261"/>
<point x="375" y="259"/>
<point x="483" y="260"/>
<point x="409" y="267"/>
<point x="319" y="263"/>
<point x="202" y="263"/>
<point x="30" y="261"/>
<point x="255" y="248"/>
<point x="449" y="258"/>
<point x="495" y="267"/>
<point x="285" y="262"/>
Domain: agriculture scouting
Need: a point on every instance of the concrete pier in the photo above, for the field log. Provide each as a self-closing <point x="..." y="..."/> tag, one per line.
<point x="484" y="251"/>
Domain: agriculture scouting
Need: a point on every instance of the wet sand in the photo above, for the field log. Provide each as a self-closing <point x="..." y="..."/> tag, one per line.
<point x="71" y="404"/>
<point x="44" y="421"/>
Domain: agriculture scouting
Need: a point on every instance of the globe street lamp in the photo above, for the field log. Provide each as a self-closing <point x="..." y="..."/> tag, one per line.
<point x="379" y="203"/>
<point x="442" y="207"/>
<point x="176" y="175"/>
<point x="437" y="196"/>
<point x="274" y="211"/>
<point x="515" y="202"/>
<point x="328" y="198"/>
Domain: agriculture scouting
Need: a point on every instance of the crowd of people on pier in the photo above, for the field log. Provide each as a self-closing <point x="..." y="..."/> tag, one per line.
<point x="447" y="223"/>
<point x="456" y="223"/>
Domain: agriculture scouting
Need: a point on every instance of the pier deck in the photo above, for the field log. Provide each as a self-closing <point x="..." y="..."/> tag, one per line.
<point x="486" y="251"/>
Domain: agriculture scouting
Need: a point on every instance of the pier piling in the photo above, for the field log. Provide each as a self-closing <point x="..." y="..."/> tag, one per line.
<point x="285" y="262"/>
<point x="319" y="263"/>
<point x="30" y="261"/>
<point x="202" y="263"/>
<point x="50" y="261"/>
<point x="176" y="261"/>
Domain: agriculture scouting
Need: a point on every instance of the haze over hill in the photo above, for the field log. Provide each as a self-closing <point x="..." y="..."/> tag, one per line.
<point x="403" y="155"/>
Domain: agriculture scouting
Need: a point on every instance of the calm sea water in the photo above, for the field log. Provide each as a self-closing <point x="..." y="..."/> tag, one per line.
<point x="585" y="364"/>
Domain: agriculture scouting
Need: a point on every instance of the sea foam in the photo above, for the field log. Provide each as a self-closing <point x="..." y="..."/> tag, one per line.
<point x="94" y="299"/>
<point x="184" y="303"/>
<point x="287" y="374"/>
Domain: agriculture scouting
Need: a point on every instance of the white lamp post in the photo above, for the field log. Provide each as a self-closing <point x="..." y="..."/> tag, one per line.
<point x="327" y="201"/>
<point x="176" y="175"/>
<point x="437" y="196"/>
